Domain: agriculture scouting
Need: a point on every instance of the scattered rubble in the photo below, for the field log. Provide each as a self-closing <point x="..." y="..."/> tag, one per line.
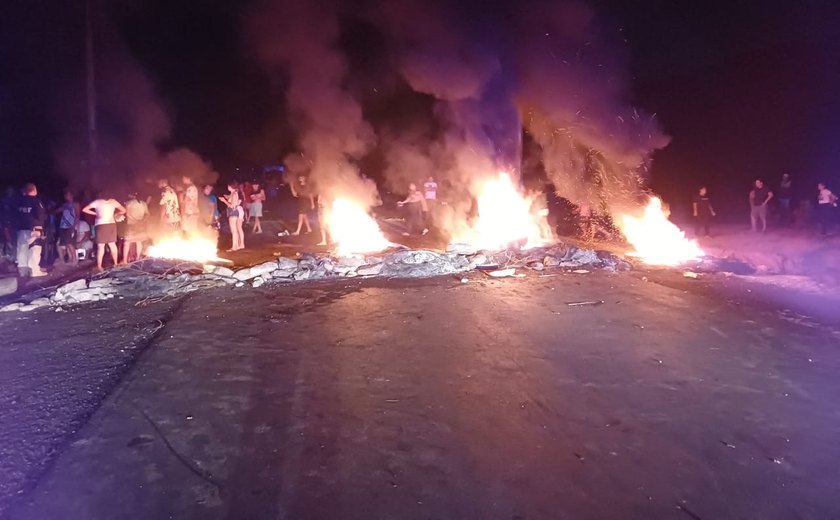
<point x="153" y="280"/>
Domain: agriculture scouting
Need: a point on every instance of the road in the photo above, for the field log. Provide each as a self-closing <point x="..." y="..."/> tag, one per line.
<point x="434" y="399"/>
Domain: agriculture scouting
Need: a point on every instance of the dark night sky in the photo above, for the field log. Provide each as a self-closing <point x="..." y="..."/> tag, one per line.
<point x="745" y="89"/>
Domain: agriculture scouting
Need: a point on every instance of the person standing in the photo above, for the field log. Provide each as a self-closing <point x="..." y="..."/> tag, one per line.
<point x="30" y="215"/>
<point x="759" y="197"/>
<point x="430" y="188"/>
<point x="106" y="210"/>
<point x="703" y="212"/>
<point x="69" y="213"/>
<point x="826" y="203"/>
<point x="256" y="206"/>
<point x="209" y="208"/>
<point x="416" y="205"/>
<point x="235" y="213"/>
<point x="305" y="202"/>
<point x="137" y="220"/>
<point x="190" y="217"/>
<point x="785" y="197"/>
<point x="170" y="213"/>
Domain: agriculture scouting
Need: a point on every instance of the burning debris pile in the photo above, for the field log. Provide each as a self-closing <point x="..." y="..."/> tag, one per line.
<point x="154" y="280"/>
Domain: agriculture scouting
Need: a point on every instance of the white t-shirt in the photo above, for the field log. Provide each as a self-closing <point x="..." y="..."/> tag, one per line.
<point x="430" y="187"/>
<point x="105" y="209"/>
<point x="825" y="196"/>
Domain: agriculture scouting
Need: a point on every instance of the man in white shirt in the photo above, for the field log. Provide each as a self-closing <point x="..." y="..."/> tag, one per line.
<point x="826" y="203"/>
<point x="105" y="210"/>
<point x="430" y="194"/>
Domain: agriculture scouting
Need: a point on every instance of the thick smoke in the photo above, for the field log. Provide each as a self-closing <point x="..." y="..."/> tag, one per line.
<point x="134" y="130"/>
<point x="540" y="65"/>
<point x="298" y="40"/>
<point x="537" y="65"/>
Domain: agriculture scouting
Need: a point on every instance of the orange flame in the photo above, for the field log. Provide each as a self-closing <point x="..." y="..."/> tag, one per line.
<point x="193" y="249"/>
<point x="505" y="216"/>
<point x="655" y="239"/>
<point x="353" y="230"/>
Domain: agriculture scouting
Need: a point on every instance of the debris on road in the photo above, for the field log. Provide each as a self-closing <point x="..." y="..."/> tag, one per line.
<point x="690" y="274"/>
<point x="151" y="280"/>
<point x="502" y="273"/>
<point x="581" y="304"/>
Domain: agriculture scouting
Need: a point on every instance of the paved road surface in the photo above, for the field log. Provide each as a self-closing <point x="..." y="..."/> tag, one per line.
<point x="436" y="400"/>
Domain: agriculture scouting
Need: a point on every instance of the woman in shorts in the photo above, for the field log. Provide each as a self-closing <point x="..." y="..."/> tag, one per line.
<point x="302" y="191"/>
<point x="256" y="206"/>
<point x="106" y="210"/>
<point x="235" y="213"/>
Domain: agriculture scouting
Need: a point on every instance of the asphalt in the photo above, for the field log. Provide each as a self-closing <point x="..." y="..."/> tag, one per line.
<point x="436" y="399"/>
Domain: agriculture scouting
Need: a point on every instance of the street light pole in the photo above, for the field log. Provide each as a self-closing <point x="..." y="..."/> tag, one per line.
<point x="93" y="151"/>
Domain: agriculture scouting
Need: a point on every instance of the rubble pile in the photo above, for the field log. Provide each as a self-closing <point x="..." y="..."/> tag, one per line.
<point x="155" y="279"/>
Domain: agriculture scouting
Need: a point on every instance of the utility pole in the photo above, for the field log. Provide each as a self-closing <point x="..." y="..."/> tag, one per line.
<point x="93" y="146"/>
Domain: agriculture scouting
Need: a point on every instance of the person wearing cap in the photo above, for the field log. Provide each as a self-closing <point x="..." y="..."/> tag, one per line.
<point x="29" y="217"/>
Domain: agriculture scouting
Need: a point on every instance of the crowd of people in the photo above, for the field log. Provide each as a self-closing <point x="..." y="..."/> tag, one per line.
<point x="39" y="232"/>
<point x="762" y="199"/>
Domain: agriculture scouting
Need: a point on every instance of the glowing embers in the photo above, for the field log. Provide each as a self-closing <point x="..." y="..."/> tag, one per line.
<point x="352" y="229"/>
<point x="505" y="217"/>
<point x="655" y="239"/>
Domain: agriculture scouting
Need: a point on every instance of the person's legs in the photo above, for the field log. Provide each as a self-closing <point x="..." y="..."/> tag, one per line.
<point x="62" y="251"/>
<point x="306" y="222"/>
<point x="301" y="216"/>
<point x="112" y="247"/>
<point x="753" y="217"/>
<point x="257" y="225"/>
<point x="762" y="214"/>
<point x="239" y="224"/>
<point x="23" y="237"/>
<point x="138" y="249"/>
<point x="100" y="253"/>
<point x="126" y="250"/>
<point x="35" y="259"/>
<point x="824" y="217"/>
<point x="233" y="238"/>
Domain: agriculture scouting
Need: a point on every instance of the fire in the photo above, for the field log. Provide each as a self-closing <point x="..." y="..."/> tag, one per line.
<point x="655" y="239"/>
<point x="505" y="216"/>
<point x="353" y="230"/>
<point x="192" y="249"/>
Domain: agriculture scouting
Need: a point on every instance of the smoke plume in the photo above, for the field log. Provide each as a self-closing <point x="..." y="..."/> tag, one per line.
<point x="541" y="65"/>
<point x="134" y="129"/>
<point x="298" y="40"/>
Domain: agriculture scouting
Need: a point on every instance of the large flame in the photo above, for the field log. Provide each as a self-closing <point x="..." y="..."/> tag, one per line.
<point x="353" y="230"/>
<point x="505" y="216"/>
<point x="192" y="249"/>
<point x="655" y="239"/>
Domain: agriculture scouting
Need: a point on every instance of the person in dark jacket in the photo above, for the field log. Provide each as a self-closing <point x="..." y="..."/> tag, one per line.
<point x="29" y="221"/>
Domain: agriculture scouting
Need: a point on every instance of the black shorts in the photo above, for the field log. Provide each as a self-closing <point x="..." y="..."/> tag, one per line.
<point x="106" y="233"/>
<point x="304" y="205"/>
<point x="65" y="236"/>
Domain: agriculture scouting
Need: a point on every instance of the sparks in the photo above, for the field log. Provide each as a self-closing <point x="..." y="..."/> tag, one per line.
<point x="655" y="239"/>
